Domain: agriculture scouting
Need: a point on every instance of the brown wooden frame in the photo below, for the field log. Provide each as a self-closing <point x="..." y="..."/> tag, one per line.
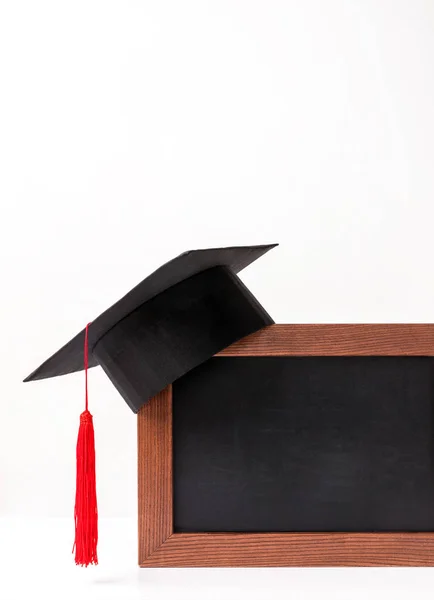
<point x="160" y="547"/>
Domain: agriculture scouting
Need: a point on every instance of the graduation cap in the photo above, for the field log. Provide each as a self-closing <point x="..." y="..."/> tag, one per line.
<point x="175" y="319"/>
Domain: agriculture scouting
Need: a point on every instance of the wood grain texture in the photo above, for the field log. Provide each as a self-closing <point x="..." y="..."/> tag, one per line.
<point x="154" y="428"/>
<point x="160" y="547"/>
<point x="295" y="550"/>
<point x="337" y="340"/>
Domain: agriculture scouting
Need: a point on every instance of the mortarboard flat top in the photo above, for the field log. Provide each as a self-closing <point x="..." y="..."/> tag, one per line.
<point x="188" y="303"/>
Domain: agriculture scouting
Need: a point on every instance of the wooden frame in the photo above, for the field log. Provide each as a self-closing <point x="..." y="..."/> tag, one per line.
<point x="160" y="547"/>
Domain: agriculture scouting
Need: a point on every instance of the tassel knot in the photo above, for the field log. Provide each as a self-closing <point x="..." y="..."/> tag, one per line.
<point x="85" y="418"/>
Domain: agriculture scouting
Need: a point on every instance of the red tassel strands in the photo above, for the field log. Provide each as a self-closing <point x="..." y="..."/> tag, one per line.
<point x="86" y="510"/>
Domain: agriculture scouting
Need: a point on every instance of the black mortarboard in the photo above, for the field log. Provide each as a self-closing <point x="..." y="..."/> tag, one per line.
<point x="185" y="312"/>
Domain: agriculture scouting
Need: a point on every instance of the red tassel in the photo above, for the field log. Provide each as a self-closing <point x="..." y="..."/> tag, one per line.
<point x="86" y="510"/>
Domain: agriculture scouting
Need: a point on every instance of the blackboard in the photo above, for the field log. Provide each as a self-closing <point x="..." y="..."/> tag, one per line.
<point x="294" y="444"/>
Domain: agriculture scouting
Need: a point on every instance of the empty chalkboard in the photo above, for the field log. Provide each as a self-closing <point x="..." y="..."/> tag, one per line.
<point x="293" y="444"/>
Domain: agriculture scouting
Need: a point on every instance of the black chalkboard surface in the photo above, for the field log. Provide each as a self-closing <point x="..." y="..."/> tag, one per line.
<point x="290" y="444"/>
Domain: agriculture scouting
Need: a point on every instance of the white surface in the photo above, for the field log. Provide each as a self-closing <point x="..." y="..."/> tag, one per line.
<point x="35" y="563"/>
<point x="134" y="130"/>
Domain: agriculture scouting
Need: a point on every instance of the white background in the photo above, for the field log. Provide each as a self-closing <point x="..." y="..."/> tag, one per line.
<point x="131" y="131"/>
